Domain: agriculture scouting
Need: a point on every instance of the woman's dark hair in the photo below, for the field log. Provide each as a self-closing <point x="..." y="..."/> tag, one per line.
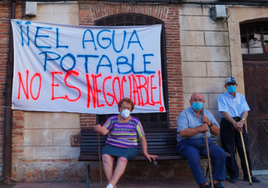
<point x="128" y="100"/>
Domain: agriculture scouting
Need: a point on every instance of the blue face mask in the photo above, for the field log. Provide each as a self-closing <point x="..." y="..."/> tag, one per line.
<point x="197" y="105"/>
<point x="231" y="89"/>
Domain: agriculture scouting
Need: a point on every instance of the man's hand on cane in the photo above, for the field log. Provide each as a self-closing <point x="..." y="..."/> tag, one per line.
<point x="204" y="128"/>
<point x="205" y="120"/>
<point x="239" y="126"/>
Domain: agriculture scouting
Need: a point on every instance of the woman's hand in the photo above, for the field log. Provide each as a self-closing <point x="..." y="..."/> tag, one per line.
<point x="150" y="157"/>
<point x="97" y="128"/>
<point x="101" y="130"/>
<point x="144" y="149"/>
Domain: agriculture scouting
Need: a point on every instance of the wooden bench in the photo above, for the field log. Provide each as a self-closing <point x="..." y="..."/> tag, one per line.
<point x="161" y="142"/>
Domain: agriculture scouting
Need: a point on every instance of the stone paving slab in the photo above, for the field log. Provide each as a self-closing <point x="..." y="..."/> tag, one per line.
<point x="186" y="183"/>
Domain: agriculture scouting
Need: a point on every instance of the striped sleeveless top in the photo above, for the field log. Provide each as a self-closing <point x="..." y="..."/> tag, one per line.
<point x="123" y="135"/>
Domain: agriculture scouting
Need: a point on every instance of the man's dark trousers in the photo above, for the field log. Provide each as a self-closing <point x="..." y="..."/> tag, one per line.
<point x="192" y="148"/>
<point x="230" y="138"/>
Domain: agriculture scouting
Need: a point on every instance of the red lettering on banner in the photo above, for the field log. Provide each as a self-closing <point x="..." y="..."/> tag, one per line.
<point x="145" y="85"/>
<point x="109" y="90"/>
<point x="141" y="89"/>
<point x="55" y="85"/>
<point x="26" y="91"/>
<point x="153" y="88"/>
<point x="118" y="80"/>
<point x="31" y="84"/>
<point x="93" y="90"/>
<point x="159" y="84"/>
<point x="103" y="88"/>
<point x="97" y="90"/>
<point x="90" y="90"/>
<point x="130" y="88"/>
<point x="135" y="91"/>
<point x="122" y="87"/>
<point x="65" y="81"/>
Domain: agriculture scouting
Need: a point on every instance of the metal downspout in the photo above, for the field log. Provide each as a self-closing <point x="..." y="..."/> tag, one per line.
<point x="7" y="150"/>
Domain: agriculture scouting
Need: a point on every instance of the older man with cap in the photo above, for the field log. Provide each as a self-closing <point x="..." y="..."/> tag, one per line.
<point x="233" y="109"/>
<point x="192" y="123"/>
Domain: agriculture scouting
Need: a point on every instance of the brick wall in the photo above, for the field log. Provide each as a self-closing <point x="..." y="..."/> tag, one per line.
<point x="17" y="132"/>
<point x="17" y="135"/>
<point x="91" y="11"/>
<point x="4" y="40"/>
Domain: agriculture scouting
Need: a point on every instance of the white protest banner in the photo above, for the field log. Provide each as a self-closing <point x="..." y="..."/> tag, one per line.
<point x="86" y="69"/>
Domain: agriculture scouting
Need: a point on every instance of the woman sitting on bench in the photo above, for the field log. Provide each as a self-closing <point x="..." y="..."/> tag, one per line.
<point x="121" y="142"/>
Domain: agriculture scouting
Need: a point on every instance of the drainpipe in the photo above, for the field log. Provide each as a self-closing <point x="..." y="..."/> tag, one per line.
<point x="7" y="150"/>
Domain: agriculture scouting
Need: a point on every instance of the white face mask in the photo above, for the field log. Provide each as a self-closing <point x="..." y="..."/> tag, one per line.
<point x="125" y="113"/>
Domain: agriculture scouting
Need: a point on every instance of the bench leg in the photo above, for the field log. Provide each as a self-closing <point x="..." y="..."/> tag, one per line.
<point x="88" y="176"/>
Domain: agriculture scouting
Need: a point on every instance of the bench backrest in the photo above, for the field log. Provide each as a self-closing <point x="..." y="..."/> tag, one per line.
<point x="161" y="142"/>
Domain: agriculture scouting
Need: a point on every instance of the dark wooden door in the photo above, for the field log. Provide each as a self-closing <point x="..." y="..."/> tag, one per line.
<point x="256" y="88"/>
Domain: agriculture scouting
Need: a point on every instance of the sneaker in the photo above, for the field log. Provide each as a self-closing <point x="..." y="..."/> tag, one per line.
<point x="254" y="179"/>
<point x="218" y="185"/>
<point x="233" y="180"/>
<point x="206" y="186"/>
<point x="110" y="186"/>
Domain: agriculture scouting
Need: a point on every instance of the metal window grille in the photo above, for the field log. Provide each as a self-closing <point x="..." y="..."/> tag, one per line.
<point x="254" y="40"/>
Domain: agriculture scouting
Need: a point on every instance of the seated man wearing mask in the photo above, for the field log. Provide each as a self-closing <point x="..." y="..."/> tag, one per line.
<point x="192" y="126"/>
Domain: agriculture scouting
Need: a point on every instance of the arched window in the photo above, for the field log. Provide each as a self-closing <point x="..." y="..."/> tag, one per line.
<point x="149" y="120"/>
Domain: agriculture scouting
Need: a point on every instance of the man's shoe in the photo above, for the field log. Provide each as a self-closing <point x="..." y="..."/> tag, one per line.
<point x="254" y="179"/>
<point x="206" y="186"/>
<point x="233" y="180"/>
<point x="218" y="185"/>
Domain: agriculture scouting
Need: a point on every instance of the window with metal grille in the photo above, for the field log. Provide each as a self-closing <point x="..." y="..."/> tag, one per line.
<point x="254" y="39"/>
<point x="148" y="120"/>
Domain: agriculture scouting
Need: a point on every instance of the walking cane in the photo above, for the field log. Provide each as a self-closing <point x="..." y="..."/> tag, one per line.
<point x="209" y="164"/>
<point x="100" y="159"/>
<point x="246" y="159"/>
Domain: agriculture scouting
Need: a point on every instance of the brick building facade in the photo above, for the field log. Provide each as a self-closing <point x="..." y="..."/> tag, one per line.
<point x="200" y="54"/>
